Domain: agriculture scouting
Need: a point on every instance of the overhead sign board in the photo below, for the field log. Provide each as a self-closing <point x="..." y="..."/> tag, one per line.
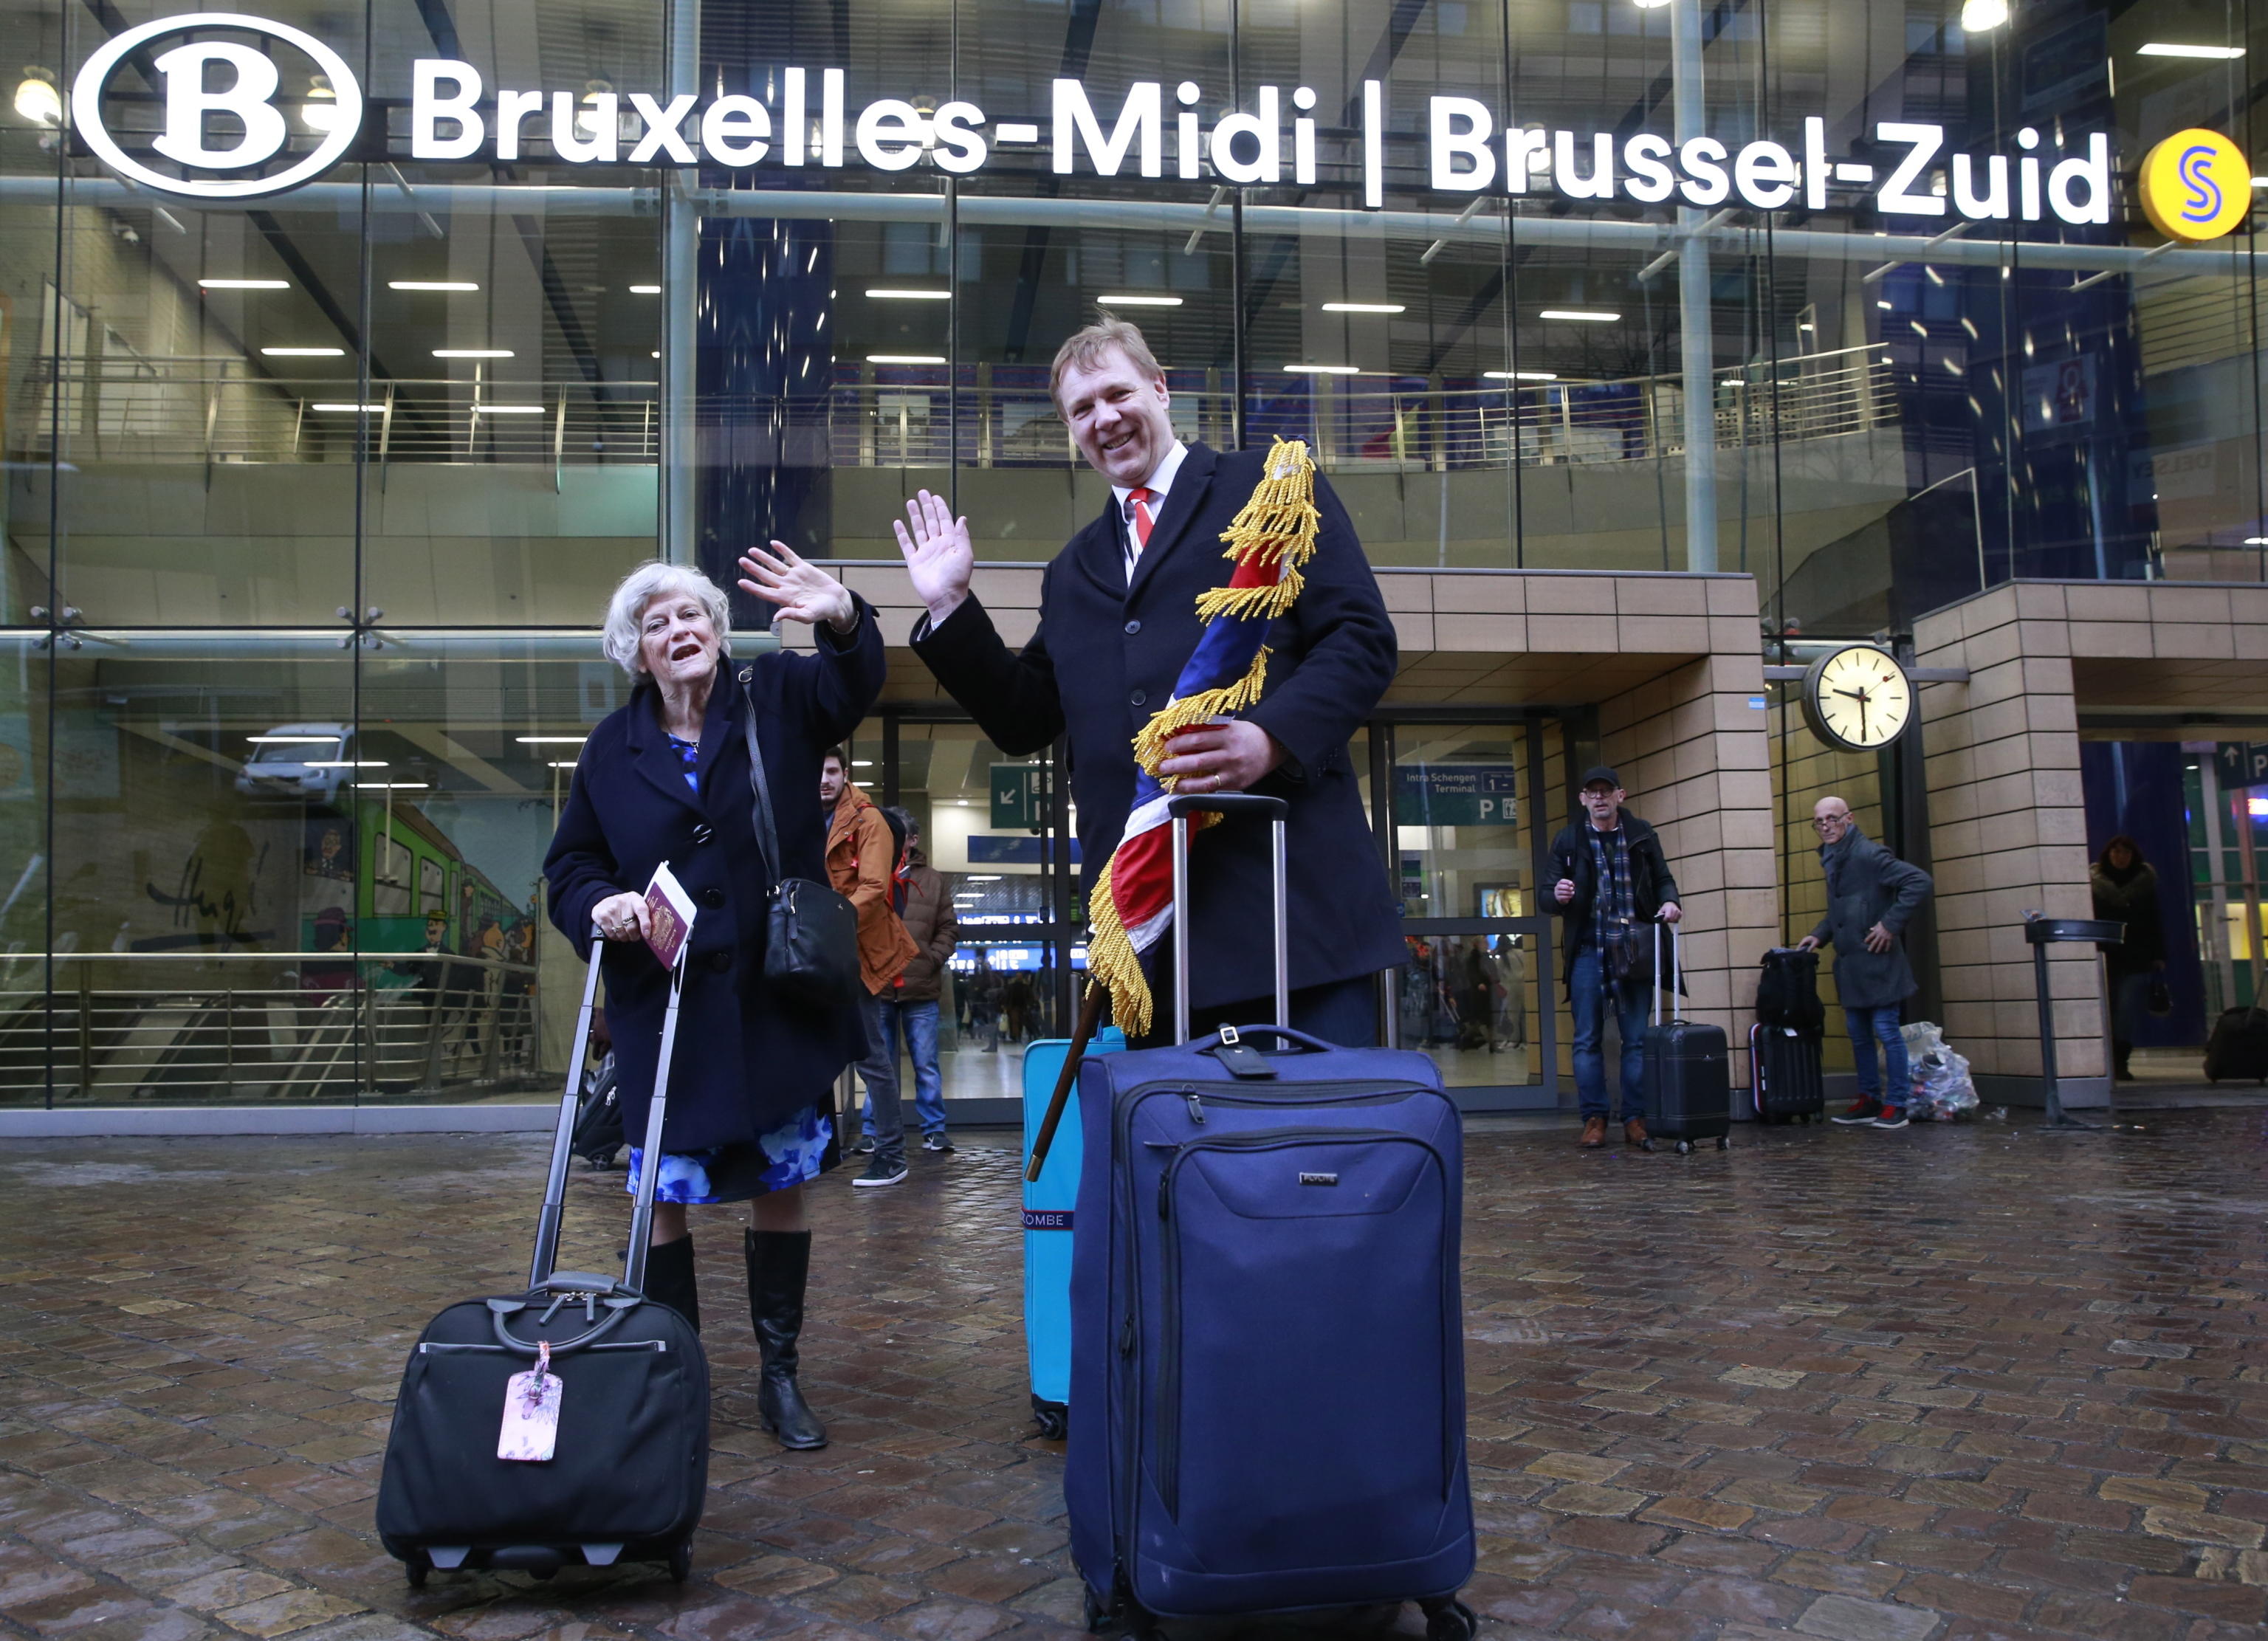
<point x="222" y="131"/>
<point x="1455" y="794"/>
<point x="1019" y="796"/>
<point x="2242" y="763"/>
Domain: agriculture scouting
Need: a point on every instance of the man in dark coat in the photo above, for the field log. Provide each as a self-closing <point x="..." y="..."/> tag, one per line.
<point x="1117" y="620"/>
<point x="1872" y="895"/>
<point x="1611" y="880"/>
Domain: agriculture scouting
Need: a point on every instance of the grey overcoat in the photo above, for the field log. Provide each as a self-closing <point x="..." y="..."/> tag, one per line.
<point x="1867" y="885"/>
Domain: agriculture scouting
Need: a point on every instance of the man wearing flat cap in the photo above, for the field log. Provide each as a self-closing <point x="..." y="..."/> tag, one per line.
<point x="1610" y="880"/>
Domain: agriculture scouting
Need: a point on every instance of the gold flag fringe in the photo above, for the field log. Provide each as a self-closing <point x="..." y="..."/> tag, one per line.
<point x="1276" y="526"/>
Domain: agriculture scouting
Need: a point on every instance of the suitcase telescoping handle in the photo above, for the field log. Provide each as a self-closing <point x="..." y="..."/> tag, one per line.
<point x="541" y="1271"/>
<point x="1676" y="953"/>
<point x="1227" y="804"/>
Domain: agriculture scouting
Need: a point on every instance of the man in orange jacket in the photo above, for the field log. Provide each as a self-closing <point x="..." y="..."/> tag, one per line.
<point x="861" y="855"/>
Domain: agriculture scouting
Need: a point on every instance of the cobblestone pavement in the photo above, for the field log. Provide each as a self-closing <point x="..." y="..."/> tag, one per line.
<point x="1945" y="1384"/>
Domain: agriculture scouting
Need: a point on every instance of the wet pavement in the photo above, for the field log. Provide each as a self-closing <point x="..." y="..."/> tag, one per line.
<point x="1944" y="1385"/>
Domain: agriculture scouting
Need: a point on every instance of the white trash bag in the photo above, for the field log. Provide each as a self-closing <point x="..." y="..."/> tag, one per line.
<point x="1942" y="1090"/>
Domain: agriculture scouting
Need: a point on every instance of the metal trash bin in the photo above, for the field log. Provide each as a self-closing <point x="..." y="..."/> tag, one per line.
<point x="2042" y="932"/>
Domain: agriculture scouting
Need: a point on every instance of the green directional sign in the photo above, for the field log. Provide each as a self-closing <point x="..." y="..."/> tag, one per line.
<point x="1019" y="796"/>
<point x="2242" y="763"/>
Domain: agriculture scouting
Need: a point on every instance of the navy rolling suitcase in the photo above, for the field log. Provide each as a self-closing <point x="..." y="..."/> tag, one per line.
<point x="1267" y="1408"/>
<point x="1689" y="1089"/>
<point x="1785" y="1078"/>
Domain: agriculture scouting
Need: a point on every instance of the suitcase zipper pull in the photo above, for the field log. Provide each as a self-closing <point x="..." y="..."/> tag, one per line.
<point x="552" y="1310"/>
<point x="1196" y="1108"/>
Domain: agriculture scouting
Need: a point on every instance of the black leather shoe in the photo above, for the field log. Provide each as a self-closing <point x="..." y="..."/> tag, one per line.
<point x="669" y="1278"/>
<point x="778" y="1263"/>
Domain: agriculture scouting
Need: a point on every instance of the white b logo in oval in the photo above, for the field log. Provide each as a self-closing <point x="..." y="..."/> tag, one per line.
<point x="208" y="77"/>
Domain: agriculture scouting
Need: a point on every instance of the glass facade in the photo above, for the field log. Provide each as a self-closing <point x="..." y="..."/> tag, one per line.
<point x="314" y="496"/>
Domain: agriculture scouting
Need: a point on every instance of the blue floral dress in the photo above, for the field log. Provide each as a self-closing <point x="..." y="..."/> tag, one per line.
<point x="798" y="1149"/>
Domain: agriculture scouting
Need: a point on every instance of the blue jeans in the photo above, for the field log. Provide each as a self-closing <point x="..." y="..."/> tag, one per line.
<point x="879" y="1069"/>
<point x="1869" y="1026"/>
<point x="916" y="1022"/>
<point x="1587" y="989"/>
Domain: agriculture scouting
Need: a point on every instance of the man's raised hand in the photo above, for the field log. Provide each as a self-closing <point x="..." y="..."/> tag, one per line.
<point x="939" y="555"/>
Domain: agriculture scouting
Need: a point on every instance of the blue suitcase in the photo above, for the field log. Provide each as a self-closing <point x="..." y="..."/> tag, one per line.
<point x="1267" y="1409"/>
<point x="1048" y="1203"/>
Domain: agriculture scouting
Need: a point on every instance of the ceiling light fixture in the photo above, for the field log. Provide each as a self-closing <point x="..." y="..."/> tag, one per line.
<point x="2211" y="53"/>
<point x="893" y="294"/>
<point x="905" y="358"/>
<point x="1521" y="376"/>
<point x="304" y="353"/>
<point x="1981" y="17"/>
<point x="37" y="99"/>
<point x="292" y="740"/>
<point x="430" y="284"/>
<point x="1364" y="307"/>
<point x="551" y="740"/>
<point x="472" y="353"/>
<point x="1588" y="316"/>
<point x="487" y="409"/>
<point x="1121" y="298"/>
<point x="348" y="409"/>
<point x="244" y="285"/>
<point x="392" y="786"/>
<point x="347" y="763"/>
<point x="645" y="290"/>
<point x="1324" y="370"/>
<point x="569" y="764"/>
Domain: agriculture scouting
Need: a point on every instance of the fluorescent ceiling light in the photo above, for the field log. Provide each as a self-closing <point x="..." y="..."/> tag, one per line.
<point x="2163" y="48"/>
<point x="2250" y="541"/>
<point x="862" y="764"/>
<point x="304" y="353"/>
<point x="1121" y="299"/>
<point x="645" y="290"/>
<point x="349" y="410"/>
<point x="292" y="740"/>
<point x="992" y="877"/>
<point x="1594" y="316"/>
<point x="892" y="294"/>
<point x="430" y="284"/>
<point x="348" y="763"/>
<point x="568" y="765"/>
<point x="1364" y="307"/>
<point x="391" y="786"/>
<point x="551" y="740"/>
<point x="507" y="409"/>
<point x="244" y="285"/>
<point x="1324" y="370"/>
<point x="1521" y="376"/>
<point x="472" y="353"/>
<point x="905" y="358"/>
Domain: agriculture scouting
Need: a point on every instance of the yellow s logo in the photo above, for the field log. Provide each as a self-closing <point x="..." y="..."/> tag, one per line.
<point x="2196" y="185"/>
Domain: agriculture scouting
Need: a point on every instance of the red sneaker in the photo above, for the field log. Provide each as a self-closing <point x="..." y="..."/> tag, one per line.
<point x="1862" y="1113"/>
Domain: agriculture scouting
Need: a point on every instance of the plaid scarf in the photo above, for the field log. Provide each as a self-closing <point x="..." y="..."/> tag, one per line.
<point x="1614" y="908"/>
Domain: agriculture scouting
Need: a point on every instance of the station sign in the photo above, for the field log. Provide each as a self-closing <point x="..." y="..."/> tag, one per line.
<point x="2242" y="763"/>
<point x="224" y="135"/>
<point x="1455" y="794"/>
<point x="1019" y="796"/>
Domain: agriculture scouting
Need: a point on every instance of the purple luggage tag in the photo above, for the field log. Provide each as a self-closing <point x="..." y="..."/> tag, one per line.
<point x="531" y="1411"/>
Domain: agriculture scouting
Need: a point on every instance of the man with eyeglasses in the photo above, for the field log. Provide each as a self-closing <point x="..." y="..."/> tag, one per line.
<point x="1872" y="895"/>
<point x="1611" y="880"/>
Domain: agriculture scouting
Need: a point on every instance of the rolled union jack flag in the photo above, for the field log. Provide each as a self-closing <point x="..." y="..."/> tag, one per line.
<point x="1132" y="902"/>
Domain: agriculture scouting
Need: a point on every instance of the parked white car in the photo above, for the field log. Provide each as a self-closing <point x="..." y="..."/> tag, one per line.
<point x="298" y="761"/>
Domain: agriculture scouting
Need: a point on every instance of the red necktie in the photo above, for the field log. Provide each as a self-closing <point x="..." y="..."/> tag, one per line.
<point x="1138" y="500"/>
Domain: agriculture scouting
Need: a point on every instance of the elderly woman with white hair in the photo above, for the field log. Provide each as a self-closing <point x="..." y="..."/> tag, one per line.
<point x="666" y="778"/>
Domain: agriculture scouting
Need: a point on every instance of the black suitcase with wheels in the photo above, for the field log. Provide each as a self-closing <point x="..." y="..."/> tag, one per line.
<point x="1688" y="1068"/>
<point x="2238" y="1048"/>
<point x="1786" y="1078"/>
<point x="631" y="1467"/>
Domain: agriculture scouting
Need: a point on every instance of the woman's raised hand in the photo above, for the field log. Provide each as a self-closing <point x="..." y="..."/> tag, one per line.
<point x="939" y="555"/>
<point x="803" y="590"/>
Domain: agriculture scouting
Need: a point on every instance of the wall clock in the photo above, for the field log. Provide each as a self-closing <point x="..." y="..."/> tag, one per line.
<point x="1857" y="698"/>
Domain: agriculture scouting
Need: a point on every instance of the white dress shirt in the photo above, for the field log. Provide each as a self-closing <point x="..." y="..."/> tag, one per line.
<point x="1158" y="484"/>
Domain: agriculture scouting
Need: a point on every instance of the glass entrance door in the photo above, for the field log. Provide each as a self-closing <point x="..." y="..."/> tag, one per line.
<point x="1454" y="804"/>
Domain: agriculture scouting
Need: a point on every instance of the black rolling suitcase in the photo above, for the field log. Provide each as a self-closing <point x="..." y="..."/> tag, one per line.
<point x="2238" y="1048"/>
<point x="1688" y="1068"/>
<point x="629" y="1468"/>
<point x="1785" y="1077"/>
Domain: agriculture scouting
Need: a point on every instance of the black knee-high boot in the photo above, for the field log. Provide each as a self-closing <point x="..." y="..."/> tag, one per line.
<point x="778" y="1262"/>
<point x="669" y="1278"/>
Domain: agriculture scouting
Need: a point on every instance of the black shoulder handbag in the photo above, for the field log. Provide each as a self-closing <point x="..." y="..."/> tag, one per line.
<point x="811" y="933"/>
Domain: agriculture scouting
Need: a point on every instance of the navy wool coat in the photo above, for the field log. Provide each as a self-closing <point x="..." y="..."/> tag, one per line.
<point x="1105" y="656"/>
<point x="745" y="1062"/>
